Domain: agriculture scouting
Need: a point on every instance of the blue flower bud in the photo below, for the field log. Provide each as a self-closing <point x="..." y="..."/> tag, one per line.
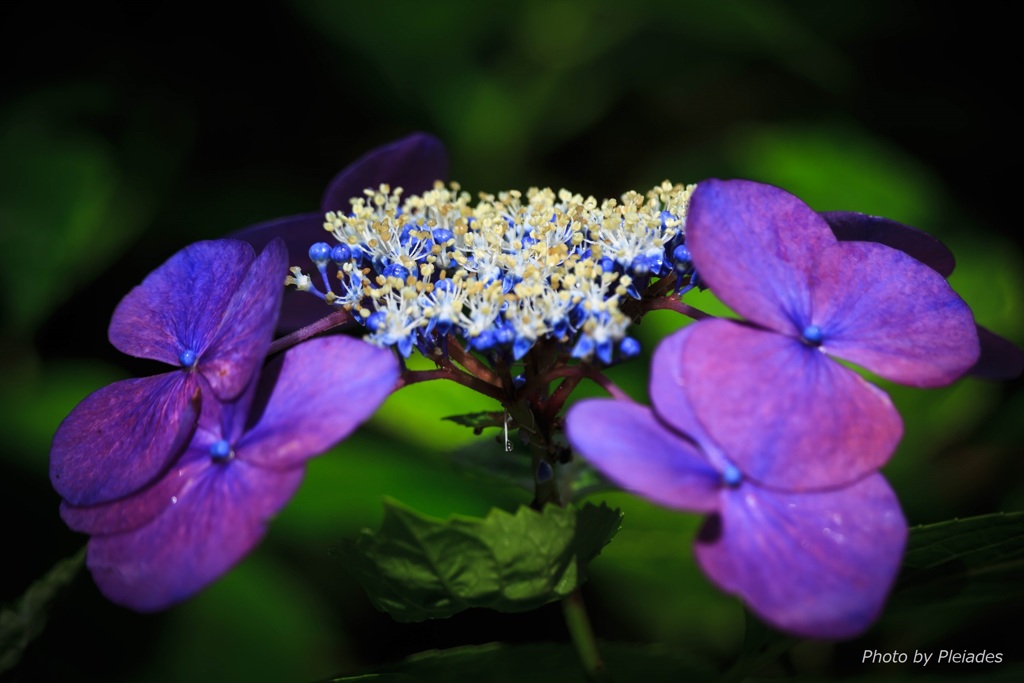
<point x="629" y="347"/>
<point x="341" y="254"/>
<point x="320" y="253"/>
<point x="442" y="236"/>
<point x="396" y="270"/>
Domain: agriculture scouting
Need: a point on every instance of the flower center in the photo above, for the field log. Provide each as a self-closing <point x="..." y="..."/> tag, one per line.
<point x="731" y="476"/>
<point x="221" y="451"/>
<point x="812" y="335"/>
<point x="502" y="273"/>
<point x="188" y="359"/>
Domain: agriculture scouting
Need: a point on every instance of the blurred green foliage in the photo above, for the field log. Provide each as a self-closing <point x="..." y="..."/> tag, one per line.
<point x="141" y="128"/>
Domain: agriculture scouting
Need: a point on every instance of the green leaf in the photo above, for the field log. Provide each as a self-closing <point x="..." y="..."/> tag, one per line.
<point x="479" y="421"/>
<point x="964" y="563"/>
<point x="22" y="622"/>
<point x="417" y="567"/>
<point x="545" y="663"/>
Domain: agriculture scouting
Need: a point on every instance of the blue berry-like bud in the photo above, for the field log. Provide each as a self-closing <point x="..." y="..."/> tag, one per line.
<point x="220" y="450"/>
<point x="442" y="235"/>
<point x="188" y="358"/>
<point x="519" y="381"/>
<point x="732" y="476"/>
<point x="607" y="265"/>
<point x="396" y="270"/>
<point x="341" y="254"/>
<point x="629" y="347"/>
<point x="320" y="253"/>
<point x="681" y="255"/>
<point x="544" y="472"/>
<point x="812" y="335"/>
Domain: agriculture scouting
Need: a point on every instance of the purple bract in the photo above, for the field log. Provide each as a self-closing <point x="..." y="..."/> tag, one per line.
<point x="812" y="561"/>
<point x="210" y="311"/>
<point x="244" y="462"/>
<point x="769" y="393"/>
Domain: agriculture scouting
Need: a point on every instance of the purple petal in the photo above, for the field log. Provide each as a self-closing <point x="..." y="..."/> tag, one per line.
<point x="140" y="508"/>
<point x="412" y="163"/>
<point x="179" y="305"/>
<point x="319" y="392"/>
<point x="122" y="437"/>
<point x="628" y="444"/>
<point x="220" y="514"/>
<point x="883" y="310"/>
<point x="850" y="226"/>
<point x="886" y="311"/>
<point x="754" y="245"/>
<point x="247" y="327"/>
<point x="818" y="565"/>
<point x="1000" y="358"/>
<point x="298" y="309"/>
<point x="787" y="415"/>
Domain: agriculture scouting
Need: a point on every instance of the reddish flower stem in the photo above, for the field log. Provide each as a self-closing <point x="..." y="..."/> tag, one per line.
<point x="678" y="306"/>
<point x="450" y="373"/>
<point x="330" y="321"/>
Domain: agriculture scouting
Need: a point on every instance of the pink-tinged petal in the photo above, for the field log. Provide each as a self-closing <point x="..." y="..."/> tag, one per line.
<point x="220" y="515"/>
<point x="888" y="312"/>
<point x="818" y="565"/>
<point x="850" y="226"/>
<point x="412" y="163"/>
<point x="753" y="245"/>
<point x="320" y="391"/>
<point x="1000" y="358"/>
<point x="786" y="415"/>
<point x="245" y="332"/>
<point x="123" y="436"/>
<point x="179" y="306"/>
<point x="140" y="508"/>
<point x="630" y="446"/>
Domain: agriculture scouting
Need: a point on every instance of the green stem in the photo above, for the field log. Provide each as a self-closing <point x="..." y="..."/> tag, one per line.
<point x="583" y="637"/>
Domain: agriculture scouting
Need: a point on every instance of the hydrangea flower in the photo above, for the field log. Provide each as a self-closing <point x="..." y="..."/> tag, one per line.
<point x="501" y="274"/>
<point x="414" y="162"/>
<point x="245" y="461"/>
<point x="816" y="559"/>
<point x="769" y="391"/>
<point x="999" y="358"/>
<point x="209" y="311"/>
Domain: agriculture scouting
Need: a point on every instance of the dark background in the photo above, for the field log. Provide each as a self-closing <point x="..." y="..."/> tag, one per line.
<point x="128" y="131"/>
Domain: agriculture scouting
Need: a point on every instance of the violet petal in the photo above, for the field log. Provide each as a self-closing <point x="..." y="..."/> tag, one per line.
<point x="179" y="306"/>
<point x="321" y="390"/>
<point x="298" y="309"/>
<point x="850" y="226"/>
<point x="412" y="163"/>
<point x="817" y="564"/>
<point x="247" y="326"/>
<point x="769" y="402"/>
<point x="754" y="245"/>
<point x="893" y="315"/>
<point x="1000" y="358"/>
<point x="218" y="517"/>
<point x="628" y="444"/>
<point x="140" y="508"/>
<point x="123" y="436"/>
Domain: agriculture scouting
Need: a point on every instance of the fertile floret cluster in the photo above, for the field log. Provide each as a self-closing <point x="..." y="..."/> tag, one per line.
<point x="502" y="273"/>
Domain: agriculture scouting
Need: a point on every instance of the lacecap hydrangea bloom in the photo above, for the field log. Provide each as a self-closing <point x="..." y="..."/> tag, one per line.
<point x="163" y="528"/>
